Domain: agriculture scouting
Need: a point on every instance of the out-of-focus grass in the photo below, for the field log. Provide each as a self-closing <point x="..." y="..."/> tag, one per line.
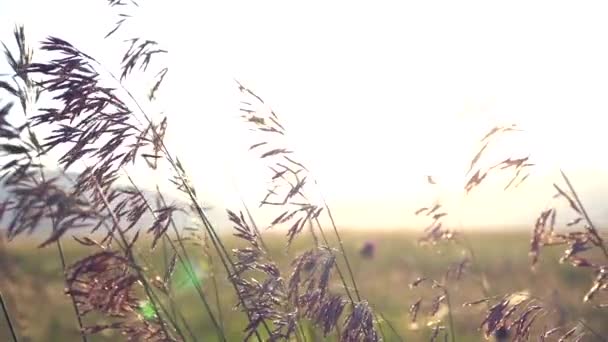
<point x="34" y="287"/>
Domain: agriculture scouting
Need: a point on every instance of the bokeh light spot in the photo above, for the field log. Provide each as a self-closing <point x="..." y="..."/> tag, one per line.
<point x="146" y="309"/>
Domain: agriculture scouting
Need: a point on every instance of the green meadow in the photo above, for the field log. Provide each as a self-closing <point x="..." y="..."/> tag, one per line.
<point x="31" y="281"/>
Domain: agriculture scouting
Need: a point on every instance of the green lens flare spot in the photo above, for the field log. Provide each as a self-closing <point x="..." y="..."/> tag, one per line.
<point x="146" y="309"/>
<point x="186" y="276"/>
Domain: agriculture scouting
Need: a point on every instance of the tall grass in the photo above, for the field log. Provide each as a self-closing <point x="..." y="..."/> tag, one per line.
<point x="92" y="120"/>
<point x="517" y="314"/>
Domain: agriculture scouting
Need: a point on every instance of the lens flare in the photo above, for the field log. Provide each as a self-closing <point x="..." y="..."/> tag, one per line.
<point x="186" y="276"/>
<point x="146" y="309"/>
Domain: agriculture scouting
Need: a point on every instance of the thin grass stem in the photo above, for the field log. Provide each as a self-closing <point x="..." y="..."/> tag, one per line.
<point x="592" y="331"/>
<point x="343" y="250"/>
<point x="7" y="316"/>
<point x="591" y="227"/>
<point x="450" y="315"/>
<point x="153" y="299"/>
<point x="218" y="244"/>
<point x="187" y="264"/>
<point x="72" y="300"/>
<point x="340" y="274"/>
<point x="390" y="325"/>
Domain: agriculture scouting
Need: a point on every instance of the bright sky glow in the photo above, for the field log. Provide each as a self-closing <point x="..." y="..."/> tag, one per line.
<point x="375" y="95"/>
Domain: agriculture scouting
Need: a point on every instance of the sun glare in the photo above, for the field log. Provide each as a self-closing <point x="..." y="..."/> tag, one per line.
<point x="372" y="122"/>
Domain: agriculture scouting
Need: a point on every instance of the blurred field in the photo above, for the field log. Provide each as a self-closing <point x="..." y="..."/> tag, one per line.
<point x="31" y="280"/>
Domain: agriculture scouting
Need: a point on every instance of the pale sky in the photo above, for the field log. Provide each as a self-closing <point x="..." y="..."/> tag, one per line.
<point x="375" y="95"/>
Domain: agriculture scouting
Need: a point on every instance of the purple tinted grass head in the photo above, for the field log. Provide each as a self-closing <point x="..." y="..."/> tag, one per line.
<point x="501" y="334"/>
<point x="368" y="250"/>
